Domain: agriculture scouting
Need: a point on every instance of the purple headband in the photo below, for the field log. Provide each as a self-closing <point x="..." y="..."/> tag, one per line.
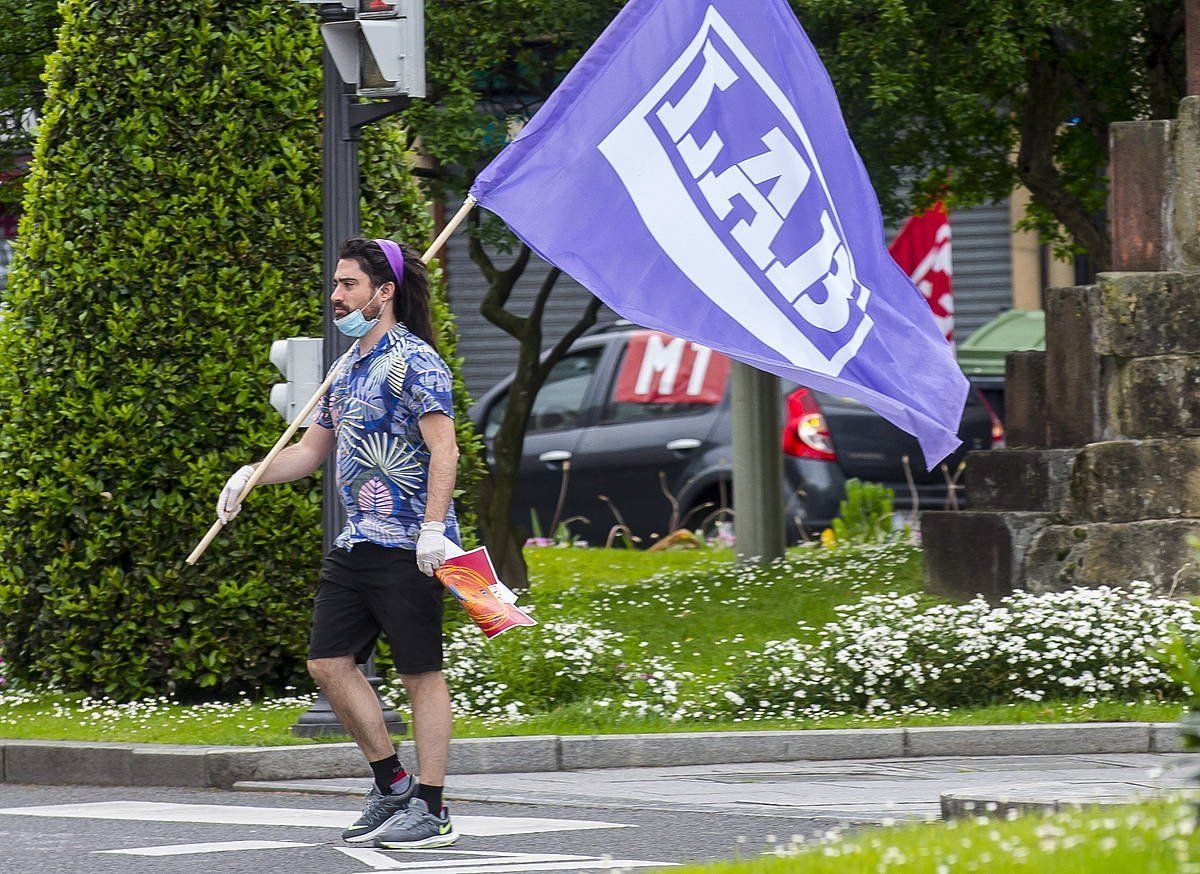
<point x="395" y="257"/>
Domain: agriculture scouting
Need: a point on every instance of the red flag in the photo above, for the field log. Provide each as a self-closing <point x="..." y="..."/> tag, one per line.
<point x="922" y="249"/>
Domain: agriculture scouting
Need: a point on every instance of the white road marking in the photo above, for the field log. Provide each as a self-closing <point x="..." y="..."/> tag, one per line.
<point x="504" y="867"/>
<point x="149" y="811"/>
<point x="381" y="862"/>
<point x="218" y="847"/>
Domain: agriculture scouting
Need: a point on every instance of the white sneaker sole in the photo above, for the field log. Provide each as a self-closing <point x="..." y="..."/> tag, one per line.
<point x="423" y="844"/>
<point x="366" y="837"/>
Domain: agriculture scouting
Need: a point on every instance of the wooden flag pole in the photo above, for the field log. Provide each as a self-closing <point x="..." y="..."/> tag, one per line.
<point x="283" y="441"/>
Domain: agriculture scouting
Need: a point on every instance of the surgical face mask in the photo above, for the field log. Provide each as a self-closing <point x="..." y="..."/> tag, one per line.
<point x="355" y="324"/>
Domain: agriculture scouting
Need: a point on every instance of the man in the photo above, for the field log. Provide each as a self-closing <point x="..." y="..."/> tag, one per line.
<point x="390" y="417"/>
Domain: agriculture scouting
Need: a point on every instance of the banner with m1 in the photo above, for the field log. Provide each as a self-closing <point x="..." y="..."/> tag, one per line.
<point x="694" y="172"/>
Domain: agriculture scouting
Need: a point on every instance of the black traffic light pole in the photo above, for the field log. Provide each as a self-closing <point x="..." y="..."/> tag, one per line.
<point x="341" y="219"/>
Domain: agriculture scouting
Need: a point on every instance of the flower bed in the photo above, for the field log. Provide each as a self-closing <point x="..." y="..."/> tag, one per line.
<point x="886" y="654"/>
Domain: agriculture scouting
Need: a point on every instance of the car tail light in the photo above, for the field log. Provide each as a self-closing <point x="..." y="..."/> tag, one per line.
<point x="998" y="437"/>
<point x="806" y="435"/>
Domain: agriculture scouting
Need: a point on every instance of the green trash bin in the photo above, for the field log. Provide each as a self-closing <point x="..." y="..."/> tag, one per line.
<point x="981" y="356"/>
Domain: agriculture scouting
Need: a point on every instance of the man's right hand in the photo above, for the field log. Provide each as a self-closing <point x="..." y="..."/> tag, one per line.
<point x="227" y="504"/>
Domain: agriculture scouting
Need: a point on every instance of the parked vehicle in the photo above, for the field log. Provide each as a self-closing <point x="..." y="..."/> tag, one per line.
<point x="643" y="419"/>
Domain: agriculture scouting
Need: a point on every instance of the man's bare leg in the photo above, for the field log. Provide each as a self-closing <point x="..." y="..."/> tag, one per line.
<point x="432" y="724"/>
<point x="355" y="703"/>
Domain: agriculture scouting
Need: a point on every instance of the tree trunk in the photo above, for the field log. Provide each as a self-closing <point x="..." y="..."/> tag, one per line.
<point x="504" y="539"/>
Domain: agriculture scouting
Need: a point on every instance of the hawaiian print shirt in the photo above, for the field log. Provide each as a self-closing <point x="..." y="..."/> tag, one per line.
<point x="374" y="406"/>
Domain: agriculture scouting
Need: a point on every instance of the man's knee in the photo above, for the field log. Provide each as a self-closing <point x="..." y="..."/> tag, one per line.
<point x="426" y="680"/>
<point x="325" y="670"/>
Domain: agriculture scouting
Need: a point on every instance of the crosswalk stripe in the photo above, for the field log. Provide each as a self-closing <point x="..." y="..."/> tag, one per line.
<point x="215" y="847"/>
<point x="149" y="811"/>
<point x="404" y="858"/>
<point x="595" y="864"/>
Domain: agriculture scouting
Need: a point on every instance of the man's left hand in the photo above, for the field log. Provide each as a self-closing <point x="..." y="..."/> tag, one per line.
<point x="431" y="547"/>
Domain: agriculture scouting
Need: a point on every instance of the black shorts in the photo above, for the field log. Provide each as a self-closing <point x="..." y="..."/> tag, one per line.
<point x="373" y="588"/>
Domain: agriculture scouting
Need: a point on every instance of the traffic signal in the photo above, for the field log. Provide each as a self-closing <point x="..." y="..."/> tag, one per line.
<point x="299" y="360"/>
<point x="381" y="51"/>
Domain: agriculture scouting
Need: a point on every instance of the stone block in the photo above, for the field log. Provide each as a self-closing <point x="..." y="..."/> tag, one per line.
<point x="1183" y="205"/>
<point x="226" y="767"/>
<point x="170" y="766"/>
<point x="1031" y="480"/>
<point x="1139" y="155"/>
<point x="1153" y="397"/>
<point x="510" y="755"/>
<point x="1025" y="399"/>
<point x="720" y="747"/>
<point x="1129" y="480"/>
<point x="973" y="553"/>
<point x="1114" y="554"/>
<point x="1144" y="314"/>
<point x="56" y="763"/>
<point x="1028" y="740"/>
<point x="1165" y="737"/>
<point x="1073" y="375"/>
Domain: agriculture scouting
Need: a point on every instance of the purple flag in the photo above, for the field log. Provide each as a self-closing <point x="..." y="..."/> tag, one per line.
<point x="693" y="171"/>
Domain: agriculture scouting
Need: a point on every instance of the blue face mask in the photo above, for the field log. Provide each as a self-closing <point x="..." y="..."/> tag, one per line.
<point x="355" y="324"/>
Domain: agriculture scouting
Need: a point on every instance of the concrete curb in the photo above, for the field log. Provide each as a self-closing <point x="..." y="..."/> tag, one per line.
<point x="1005" y="801"/>
<point x="128" y="764"/>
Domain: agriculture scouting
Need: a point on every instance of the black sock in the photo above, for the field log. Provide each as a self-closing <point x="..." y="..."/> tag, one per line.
<point x="432" y="796"/>
<point x="388" y="771"/>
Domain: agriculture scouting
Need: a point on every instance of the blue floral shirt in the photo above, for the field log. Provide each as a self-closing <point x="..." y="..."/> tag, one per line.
<point x="374" y="407"/>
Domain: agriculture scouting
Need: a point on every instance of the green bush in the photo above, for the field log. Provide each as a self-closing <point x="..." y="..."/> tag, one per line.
<point x="865" y="516"/>
<point x="171" y="231"/>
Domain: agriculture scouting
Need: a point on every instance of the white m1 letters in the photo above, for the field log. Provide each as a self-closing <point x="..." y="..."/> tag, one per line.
<point x="660" y="358"/>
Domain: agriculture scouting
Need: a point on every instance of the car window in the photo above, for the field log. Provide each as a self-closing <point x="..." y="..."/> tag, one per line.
<point x="560" y="401"/>
<point x="662" y="376"/>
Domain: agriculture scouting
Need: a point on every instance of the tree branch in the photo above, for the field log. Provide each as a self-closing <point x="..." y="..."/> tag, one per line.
<point x="539" y="302"/>
<point x="1166" y="78"/>
<point x="1087" y="102"/>
<point x="476" y="251"/>
<point x="492" y="309"/>
<point x="1035" y="161"/>
<point x="517" y="269"/>
<point x="564" y="343"/>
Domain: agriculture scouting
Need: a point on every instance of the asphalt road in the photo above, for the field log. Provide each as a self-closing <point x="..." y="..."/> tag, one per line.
<point x="49" y="830"/>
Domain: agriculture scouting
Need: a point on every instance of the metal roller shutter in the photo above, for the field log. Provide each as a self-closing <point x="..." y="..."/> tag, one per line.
<point x="982" y="252"/>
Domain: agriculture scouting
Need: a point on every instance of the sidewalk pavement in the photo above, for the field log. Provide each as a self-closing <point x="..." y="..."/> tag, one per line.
<point x="853" y="791"/>
<point x="856" y="774"/>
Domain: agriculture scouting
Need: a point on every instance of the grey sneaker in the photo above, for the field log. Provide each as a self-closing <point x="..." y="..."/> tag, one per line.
<point x="417" y="828"/>
<point x="379" y="811"/>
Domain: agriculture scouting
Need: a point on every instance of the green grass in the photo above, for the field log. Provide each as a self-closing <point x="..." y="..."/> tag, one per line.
<point x="55" y="716"/>
<point x="1157" y="838"/>
<point x="697" y="608"/>
<point x="61" y="717"/>
<point x="581" y="720"/>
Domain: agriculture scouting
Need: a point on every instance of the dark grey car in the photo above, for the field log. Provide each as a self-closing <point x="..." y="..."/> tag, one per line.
<point x="627" y="450"/>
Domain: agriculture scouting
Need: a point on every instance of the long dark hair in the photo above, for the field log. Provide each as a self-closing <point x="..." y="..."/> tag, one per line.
<point x="410" y="304"/>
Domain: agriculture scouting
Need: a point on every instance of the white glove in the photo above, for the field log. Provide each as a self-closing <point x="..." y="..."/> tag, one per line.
<point x="431" y="547"/>
<point x="227" y="505"/>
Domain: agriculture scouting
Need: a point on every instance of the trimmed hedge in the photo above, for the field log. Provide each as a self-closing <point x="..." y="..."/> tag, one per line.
<point x="171" y="232"/>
